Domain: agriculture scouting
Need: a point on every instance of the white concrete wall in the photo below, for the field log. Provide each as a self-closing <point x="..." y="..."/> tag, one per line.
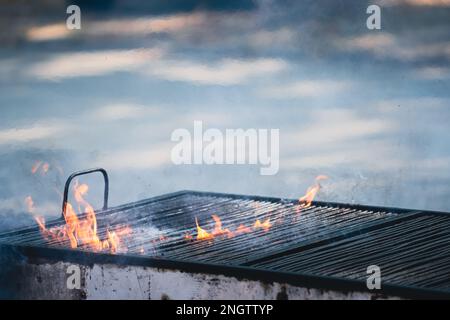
<point x="108" y="281"/>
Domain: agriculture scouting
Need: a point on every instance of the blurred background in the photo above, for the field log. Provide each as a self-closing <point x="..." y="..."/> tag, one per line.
<point x="368" y="108"/>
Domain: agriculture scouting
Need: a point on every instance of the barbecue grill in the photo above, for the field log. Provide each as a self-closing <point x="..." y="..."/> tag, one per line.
<point x="315" y="252"/>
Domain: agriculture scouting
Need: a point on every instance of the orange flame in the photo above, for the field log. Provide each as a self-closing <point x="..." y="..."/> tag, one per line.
<point x="81" y="232"/>
<point x="218" y="228"/>
<point x="243" y="229"/>
<point x="43" y="166"/>
<point x="311" y="193"/>
<point x="30" y="204"/>
<point x="202" y="234"/>
<point x="113" y="241"/>
<point x="41" y="222"/>
<point x="262" y="225"/>
<point x="220" y="231"/>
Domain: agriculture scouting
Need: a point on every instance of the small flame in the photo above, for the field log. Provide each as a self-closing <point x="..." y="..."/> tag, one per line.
<point x="79" y="191"/>
<point x="113" y="241"/>
<point x="40" y="165"/>
<point x="218" y="228"/>
<point x="30" y="204"/>
<point x="220" y="231"/>
<point x="41" y="222"/>
<point x="311" y="193"/>
<point x="72" y="224"/>
<point x="45" y="167"/>
<point x="262" y="225"/>
<point x="202" y="234"/>
<point x="36" y="167"/>
<point x="243" y="229"/>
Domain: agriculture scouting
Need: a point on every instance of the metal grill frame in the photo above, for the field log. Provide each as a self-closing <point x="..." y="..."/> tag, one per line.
<point x="42" y="253"/>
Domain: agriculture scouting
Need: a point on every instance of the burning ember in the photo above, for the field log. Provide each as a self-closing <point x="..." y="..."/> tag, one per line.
<point x="81" y="232"/>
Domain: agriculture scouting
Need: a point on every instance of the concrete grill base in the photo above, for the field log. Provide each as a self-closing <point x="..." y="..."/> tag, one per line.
<point x="49" y="281"/>
<point x="24" y="277"/>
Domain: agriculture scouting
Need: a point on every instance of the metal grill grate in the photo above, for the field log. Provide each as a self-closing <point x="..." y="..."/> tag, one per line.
<point x="412" y="253"/>
<point x="326" y="239"/>
<point x="174" y="217"/>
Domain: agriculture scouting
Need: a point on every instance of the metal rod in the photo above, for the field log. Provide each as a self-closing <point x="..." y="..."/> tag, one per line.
<point x="85" y="172"/>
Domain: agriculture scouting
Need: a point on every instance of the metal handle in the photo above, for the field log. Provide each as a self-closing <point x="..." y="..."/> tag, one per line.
<point x="81" y="173"/>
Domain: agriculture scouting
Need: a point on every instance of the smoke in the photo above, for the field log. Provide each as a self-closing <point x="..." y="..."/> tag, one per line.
<point x="18" y="181"/>
<point x="341" y="101"/>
